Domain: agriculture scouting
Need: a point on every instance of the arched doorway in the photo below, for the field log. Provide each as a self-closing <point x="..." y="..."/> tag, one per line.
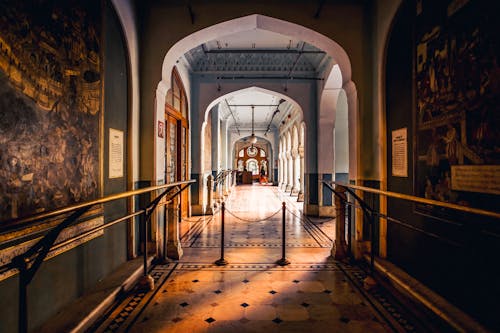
<point x="175" y="131"/>
<point x="337" y="72"/>
<point x="253" y="158"/>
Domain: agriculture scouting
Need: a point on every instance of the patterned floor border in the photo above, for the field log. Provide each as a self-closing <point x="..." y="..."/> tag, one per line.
<point x="395" y="314"/>
<point x="122" y="316"/>
<point x="125" y="314"/>
<point x="211" y="245"/>
<point x="260" y="267"/>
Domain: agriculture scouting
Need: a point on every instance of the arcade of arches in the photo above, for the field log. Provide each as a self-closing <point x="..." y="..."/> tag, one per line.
<point x="291" y="166"/>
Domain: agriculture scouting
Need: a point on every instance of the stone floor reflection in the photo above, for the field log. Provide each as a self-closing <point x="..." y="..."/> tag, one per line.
<point x="251" y="293"/>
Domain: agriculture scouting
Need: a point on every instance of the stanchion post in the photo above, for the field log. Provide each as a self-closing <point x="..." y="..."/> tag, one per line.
<point x="222" y="261"/>
<point x="283" y="261"/>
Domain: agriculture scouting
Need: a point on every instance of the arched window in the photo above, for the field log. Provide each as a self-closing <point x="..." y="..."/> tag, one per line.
<point x="253" y="166"/>
<point x="176" y="96"/>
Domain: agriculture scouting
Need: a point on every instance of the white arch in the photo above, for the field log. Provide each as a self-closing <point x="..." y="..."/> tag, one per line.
<point x="251" y="89"/>
<point x="252" y="22"/>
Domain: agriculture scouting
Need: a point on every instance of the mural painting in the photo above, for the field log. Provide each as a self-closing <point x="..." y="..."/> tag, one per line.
<point x="50" y="105"/>
<point x="457" y="100"/>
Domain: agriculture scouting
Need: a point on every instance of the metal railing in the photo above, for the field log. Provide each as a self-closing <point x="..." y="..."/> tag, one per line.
<point x="28" y="263"/>
<point x="339" y="189"/>
<point x="221" y="185"/>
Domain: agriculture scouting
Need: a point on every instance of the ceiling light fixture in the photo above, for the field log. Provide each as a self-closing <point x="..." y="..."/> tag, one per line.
<point x="253" y="138"/>
<point x="274" y="114"/>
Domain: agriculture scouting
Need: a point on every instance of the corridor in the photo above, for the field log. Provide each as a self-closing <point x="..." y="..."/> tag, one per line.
<point x="251" y="293"/>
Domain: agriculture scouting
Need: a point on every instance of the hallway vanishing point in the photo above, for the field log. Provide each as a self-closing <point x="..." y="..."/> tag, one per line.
<point x="251" y="293"/>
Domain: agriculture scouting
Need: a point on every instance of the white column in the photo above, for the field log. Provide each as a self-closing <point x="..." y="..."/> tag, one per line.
<point x="285" y="172"/>
<point x="301" y="175"/>
<point x="280" y="169"/>
<point x="296" y="173"/>
<point x="225" y="160"/>
<point x="289" y="184"/>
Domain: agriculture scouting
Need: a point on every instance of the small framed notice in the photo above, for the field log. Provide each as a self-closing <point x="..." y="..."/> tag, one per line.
<point x="161" y="129"/>
<point x="115" y="153"/>
<point x="400" y="152"/>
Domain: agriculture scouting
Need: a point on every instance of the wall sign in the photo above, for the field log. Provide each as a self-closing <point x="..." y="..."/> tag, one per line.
<point x="400" y="152"/>
<point x="476" y="178"/>
<point x="115" y="153"/>
<point x="161" y="129"/>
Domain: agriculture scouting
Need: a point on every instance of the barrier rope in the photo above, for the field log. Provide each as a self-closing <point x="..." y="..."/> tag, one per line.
<point x="252" y="221"/>
<point x="308" y="224"/>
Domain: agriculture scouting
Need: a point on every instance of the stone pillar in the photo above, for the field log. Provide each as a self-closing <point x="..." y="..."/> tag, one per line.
<point x="280" y="169"/>
<point x="210" y="185"/>
<point x="174" y="249"/>
<point x="225" y="183"/>
<point x="289" y="184"/>
<point x="285" y="172"/>
<point x="300" y="196"/>
<point x="296" y="172"/>
<point x="229" y="181"/>
<point x="339" y="245"/>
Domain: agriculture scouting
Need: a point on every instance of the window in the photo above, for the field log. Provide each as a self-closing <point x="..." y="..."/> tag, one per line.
<point x="176" y="96"/>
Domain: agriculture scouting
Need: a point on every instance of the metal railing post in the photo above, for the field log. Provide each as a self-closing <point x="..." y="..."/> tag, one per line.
<point x="283" y="261"/>
<point x="164" y="258"/>
<point x="349" y="230"/>
<point x="23" y="299"/>
<point x="146" y="282"/>
<point x="222" y="261"/>
<point x="372" y="250"/>
<point x="145" y="246"/>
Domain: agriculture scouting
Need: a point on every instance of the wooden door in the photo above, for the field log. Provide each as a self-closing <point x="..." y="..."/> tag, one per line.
<point x="171" y="143"/>
<point x="183" y="167"/>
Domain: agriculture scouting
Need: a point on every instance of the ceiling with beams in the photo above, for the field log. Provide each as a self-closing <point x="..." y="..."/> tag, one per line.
<point x="268" y="110"/>
<point x="253" y="54"/>
<point x="258" y="52"/>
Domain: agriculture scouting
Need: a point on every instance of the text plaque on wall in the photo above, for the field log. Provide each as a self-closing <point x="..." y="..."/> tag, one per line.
<point x="400" y="152"/>
<point x="476" y="178"/>
<point x="115" y="153"/>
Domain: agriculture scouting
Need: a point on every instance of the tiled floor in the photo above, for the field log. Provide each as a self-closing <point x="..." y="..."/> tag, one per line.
<point x="252" y="293"/>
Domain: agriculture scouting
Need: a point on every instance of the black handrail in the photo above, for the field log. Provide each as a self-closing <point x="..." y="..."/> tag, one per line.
<point x="30" y="261"/>
<point x="221" y="178"/>
<point x="370" y="211"/>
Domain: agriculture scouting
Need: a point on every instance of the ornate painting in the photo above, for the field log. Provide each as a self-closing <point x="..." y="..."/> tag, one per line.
<point x="50" y="105"/>
<point x="457" y="101"/>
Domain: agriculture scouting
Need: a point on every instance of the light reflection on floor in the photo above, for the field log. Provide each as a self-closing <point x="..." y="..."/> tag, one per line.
<point x="252" y="294"/>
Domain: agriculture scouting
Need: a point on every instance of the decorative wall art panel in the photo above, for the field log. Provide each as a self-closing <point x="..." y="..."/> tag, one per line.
<point x="457" y="100"/>
<point x="50" y="105"/>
